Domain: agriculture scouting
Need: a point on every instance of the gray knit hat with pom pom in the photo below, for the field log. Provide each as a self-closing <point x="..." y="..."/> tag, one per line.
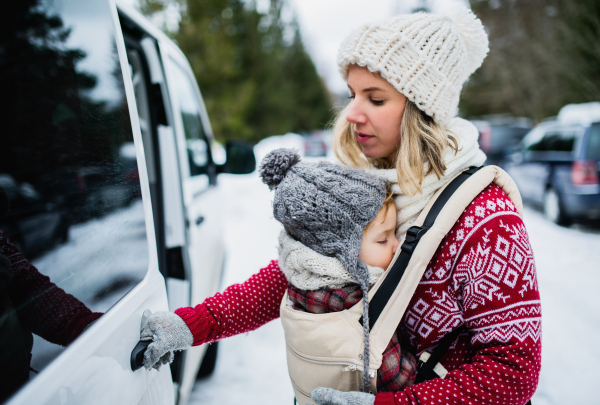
<point x="326" y="207"/>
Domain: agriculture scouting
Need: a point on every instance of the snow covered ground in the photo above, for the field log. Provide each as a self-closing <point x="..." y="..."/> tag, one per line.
<point x="567" y="261"/>
<point x="251" y="369"/>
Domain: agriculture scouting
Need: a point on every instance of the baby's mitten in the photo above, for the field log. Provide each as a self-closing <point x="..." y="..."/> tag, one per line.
<point x="329" y="396"/>
<point x="168" y="332"/>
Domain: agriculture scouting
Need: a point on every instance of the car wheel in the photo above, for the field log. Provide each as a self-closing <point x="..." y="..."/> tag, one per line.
<point x="209" y="362"/>
<point x="553" y="208"/>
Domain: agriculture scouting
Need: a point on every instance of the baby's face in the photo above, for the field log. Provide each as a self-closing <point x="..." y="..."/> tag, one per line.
<point x="379" y="241"/>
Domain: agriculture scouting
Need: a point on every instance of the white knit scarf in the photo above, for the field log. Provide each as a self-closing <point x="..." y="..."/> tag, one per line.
<point x="308" y="270"/>
<point x="469" y="154"/>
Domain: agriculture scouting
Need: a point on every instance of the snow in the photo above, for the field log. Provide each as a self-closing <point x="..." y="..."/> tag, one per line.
<point x="583" y="114"/>
<point x="251" y="368"/>
<point x="290" y="141"/>
<point x="567" y="265"/>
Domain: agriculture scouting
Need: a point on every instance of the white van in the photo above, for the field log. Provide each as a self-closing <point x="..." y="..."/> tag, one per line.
<point x="115" y="207"/>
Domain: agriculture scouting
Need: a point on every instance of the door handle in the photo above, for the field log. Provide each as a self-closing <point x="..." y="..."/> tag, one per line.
<point x="199" y="220"/>
<point x="137" y="355"/>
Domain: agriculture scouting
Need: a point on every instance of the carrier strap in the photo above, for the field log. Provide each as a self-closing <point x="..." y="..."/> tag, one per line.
<point x="413" y="235"/>
<point x="425" y="369"/>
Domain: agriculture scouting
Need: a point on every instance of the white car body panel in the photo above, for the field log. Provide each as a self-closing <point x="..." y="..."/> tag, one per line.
<point x="95" y="368"/>
<point x="203" y="215"/>
<point x="186" y="199"/>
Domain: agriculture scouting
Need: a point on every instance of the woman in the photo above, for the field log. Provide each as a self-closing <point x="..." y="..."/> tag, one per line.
<point x="404" y="75"/>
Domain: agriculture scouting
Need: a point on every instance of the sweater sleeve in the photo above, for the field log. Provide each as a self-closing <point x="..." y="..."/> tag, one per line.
<point x="494" y="281"/>
<point x="240" y="308"/>
<point x="44" y="308"/>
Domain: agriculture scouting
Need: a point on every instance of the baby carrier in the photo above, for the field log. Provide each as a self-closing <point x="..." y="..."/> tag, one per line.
<point x="326" y="350"/>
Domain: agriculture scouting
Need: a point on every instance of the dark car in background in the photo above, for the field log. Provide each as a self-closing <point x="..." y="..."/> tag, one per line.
<point x="499" y="134"/>
<point x="90" y="192"/>
<point x="556" y="166"/>
<point x="34" y="222"/>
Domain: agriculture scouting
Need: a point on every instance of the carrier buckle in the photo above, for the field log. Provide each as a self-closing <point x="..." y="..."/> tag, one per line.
<point x="413" y="235"/>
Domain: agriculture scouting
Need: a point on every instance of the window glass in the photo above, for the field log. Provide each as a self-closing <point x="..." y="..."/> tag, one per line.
<point x="74" y="235"/>
<point x="555" y="141"/>
<point x="593" y="144"/>
<point x="533" y="137"/>
<point x="189" y="108"/>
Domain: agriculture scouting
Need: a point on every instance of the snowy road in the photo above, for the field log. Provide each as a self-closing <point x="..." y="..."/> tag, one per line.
<point x="251" y="369"/>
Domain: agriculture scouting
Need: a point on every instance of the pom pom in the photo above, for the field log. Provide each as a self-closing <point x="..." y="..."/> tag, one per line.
<point x="473" y="35"/>
<point x="276" y="164"/>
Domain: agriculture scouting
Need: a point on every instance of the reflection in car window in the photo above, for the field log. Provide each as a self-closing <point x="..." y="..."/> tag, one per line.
<point x="195" y="137"/>
<point x="73" y="241"/>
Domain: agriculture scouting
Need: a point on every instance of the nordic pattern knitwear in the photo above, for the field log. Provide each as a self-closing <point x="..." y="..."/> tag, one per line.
<point x="469" y="154"/>
<point x="426" y="57"/>
<point x="326" y="206"/>
<point x="308" y="270"/>
<point x="482" y="275"/>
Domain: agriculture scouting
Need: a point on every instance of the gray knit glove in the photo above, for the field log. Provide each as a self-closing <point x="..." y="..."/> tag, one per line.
<point x="329" y="396"/>
<point x="168" y="332"/>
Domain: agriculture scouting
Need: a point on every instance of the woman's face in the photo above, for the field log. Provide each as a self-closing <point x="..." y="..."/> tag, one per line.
<point x="375" y="113"/>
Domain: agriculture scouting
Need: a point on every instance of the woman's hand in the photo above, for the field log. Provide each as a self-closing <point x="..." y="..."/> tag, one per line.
<point x="168" y="332"/>
<point x="329" y="396"/>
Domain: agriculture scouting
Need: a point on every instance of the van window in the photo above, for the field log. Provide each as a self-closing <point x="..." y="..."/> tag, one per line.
<point x="555" y="141"/>
<point x="593" y="144"/>
<point x="75" y="233"/>
<point x="189" y="108"/>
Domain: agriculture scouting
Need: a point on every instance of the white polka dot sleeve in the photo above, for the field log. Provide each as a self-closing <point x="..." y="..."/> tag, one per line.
<point x="240" y="308"/>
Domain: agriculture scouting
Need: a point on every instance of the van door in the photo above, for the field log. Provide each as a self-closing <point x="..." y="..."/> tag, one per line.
<point x="160" y="147"/>
<point x="71" y="133"/>
<point x="202" y="200"/>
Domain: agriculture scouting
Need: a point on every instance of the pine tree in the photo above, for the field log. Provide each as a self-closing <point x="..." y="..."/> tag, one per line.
<point x="255" y="76"/>
<point x="543" y="54"/>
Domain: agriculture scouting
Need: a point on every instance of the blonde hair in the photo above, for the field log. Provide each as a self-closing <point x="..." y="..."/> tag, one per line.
<point x="421" y="149"/>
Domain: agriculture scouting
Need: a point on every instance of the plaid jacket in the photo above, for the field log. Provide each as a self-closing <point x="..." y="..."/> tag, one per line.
<point x="399" y="368"/>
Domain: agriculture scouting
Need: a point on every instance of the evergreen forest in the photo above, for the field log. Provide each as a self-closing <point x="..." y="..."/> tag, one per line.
<point x="543" y="54"/>
<point x="255" y="75"/>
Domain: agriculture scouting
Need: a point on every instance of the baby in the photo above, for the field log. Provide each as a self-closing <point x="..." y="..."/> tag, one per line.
<point x="338" y="239"/>
<point x="378" y="246"/>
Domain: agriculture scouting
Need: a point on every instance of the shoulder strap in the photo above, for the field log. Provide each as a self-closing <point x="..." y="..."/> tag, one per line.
<point x="425" y="368"/>
<point x="413" y="236"/>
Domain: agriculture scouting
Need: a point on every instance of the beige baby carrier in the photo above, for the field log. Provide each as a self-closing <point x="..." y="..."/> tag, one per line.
<point x="326" y="350"/>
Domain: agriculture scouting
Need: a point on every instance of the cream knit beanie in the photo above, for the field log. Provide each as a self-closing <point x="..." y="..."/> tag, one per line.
<point x="426" y="57"/>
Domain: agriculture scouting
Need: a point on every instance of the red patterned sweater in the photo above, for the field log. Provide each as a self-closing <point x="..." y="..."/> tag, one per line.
<point x="483" y="275"/>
